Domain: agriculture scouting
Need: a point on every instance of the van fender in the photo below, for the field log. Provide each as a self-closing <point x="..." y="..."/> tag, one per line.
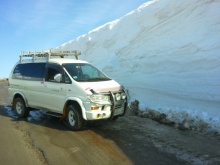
<point x="79" y="101"/>
<point x="22" y="95"/>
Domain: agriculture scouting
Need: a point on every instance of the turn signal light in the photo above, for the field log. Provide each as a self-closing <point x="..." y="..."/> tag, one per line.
<point x="94" y="108"/>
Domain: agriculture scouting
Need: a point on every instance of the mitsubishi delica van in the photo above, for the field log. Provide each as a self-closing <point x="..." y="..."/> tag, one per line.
<point x="65" y="87"/>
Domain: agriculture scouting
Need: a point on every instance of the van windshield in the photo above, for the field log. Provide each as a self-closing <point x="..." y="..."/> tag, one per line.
<point x="83" y="72"/>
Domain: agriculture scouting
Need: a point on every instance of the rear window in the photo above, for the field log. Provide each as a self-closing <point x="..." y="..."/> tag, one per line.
<point x="31" y="71"/>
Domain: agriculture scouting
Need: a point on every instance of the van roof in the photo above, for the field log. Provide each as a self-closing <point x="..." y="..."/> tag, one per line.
<point x="50" y="56"/>
<point x="65" y="60"/>
<point x="53" y="60"/>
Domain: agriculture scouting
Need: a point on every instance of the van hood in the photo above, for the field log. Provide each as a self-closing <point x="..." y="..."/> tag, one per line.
<point x="101" y="86"/>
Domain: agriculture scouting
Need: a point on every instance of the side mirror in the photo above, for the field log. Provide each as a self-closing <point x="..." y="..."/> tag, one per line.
<point x="58" y="77"/>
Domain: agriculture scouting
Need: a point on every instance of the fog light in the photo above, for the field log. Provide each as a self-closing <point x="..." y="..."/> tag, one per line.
<point x="118" y="96"/>
<point x="123" y="96"/>
<point x="98" y="116"/>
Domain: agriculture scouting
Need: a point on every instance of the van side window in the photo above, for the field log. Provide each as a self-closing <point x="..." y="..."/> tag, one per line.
<point x="18" y="71"/>
<point x="30" y="71"/>
<point x="52" y="70"/>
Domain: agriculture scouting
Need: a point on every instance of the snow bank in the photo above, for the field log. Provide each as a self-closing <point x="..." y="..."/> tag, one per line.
<point x="166" y="53"/>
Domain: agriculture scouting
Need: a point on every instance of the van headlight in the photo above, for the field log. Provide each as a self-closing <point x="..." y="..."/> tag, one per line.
<point x="97" y="97"/>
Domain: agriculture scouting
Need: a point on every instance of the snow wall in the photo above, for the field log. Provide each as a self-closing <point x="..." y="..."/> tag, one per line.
<point x="166" y="53"/>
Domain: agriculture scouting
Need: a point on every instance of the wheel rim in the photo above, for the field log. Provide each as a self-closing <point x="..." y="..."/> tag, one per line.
<point x="72" y="118"/>
<point x="19" y="107"/>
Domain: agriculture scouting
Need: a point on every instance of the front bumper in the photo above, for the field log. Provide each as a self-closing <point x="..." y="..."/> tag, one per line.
<point x="106" y="110"/>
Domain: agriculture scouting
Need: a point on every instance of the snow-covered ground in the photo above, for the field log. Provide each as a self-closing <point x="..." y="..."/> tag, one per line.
<point x="166" y="53"/>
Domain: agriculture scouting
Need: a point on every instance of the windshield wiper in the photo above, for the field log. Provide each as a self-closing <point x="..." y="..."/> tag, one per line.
<point x="98" y="79"/>
<point x="80" y="80"/>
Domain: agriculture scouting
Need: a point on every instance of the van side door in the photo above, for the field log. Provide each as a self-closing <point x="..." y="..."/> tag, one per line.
<point x="54" y="94"/>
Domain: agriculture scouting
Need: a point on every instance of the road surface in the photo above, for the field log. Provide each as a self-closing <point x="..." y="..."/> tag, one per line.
<point x="44" y="140"/>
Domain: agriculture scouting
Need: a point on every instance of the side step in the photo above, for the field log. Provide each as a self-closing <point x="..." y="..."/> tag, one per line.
<point x="54" y="114"/>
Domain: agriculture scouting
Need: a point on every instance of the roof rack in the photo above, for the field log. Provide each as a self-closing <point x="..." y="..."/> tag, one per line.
<point x="48" y="54"/>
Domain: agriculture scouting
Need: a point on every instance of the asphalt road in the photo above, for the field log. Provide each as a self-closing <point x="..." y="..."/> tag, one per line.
<point x="41" y="139"/>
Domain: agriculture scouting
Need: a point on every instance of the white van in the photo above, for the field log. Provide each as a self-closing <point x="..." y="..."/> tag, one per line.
<point x="68" y="88"/>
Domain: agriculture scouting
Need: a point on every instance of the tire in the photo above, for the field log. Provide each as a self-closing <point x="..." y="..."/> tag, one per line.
<point x="74" y="119"/>
<point x="20" y="108"/>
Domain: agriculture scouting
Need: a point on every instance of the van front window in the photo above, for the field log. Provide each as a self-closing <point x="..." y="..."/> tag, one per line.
<point x="83" y="72"/>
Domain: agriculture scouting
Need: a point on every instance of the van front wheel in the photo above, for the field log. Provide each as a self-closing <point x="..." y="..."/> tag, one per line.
<point x="74" y="119"/>
<point x="20" y="108"/>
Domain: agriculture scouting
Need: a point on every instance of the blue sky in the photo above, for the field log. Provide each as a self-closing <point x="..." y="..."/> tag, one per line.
<point x="42" y="24"/>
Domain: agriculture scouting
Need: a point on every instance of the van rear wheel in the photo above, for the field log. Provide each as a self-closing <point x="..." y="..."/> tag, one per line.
<point x="20" y="108"/>
<point x="74" y="118"/>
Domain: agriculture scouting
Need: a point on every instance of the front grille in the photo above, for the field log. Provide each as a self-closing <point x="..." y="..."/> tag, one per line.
<point x="119" y="104"/>
<point x="119" y="107"/>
